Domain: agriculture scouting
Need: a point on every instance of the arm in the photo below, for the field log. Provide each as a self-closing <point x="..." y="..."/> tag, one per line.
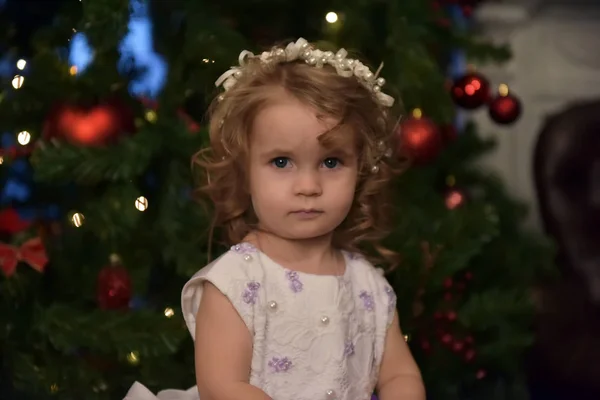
<point x="223" y="350"/>
<point x="399" y="376"/>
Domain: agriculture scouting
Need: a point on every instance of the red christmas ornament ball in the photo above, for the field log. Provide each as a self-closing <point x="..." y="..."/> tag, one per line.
<point x="505" y="109"/>
<point x="419" y="139"/>
<point x="471" y="91"/>
<point x="89" y="125"/>
<point x="113" y="286"/>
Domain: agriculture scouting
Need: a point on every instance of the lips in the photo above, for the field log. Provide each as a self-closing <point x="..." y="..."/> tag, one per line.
<point x="307" y="211"/>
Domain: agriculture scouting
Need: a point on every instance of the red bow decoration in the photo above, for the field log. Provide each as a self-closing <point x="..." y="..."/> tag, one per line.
<point x="31" y="252"/>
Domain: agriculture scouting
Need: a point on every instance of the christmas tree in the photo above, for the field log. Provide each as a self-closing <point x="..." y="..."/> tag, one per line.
<point x="99" y="228"/>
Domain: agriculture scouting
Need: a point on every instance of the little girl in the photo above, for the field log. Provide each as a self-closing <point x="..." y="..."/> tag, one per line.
<point x="297" y="171"/>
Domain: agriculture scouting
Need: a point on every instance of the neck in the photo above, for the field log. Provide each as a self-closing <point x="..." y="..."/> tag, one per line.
<point x="314" y="255"/>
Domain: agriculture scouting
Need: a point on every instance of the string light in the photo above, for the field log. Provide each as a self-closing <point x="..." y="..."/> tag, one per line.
<point x="141" y="203"/>
<point x="450" y="180"/>
<point x="53" y="388"/>
<point x="503" y="90"/>
<point x="73" y="70"/>
<point x="207" y="61"/>
<point x="1" y="160"/>
<point x="77" y="219"/>
<point x="133" y="358"/>
<point x="18" y="81"/>
<point x="417" y="113"/>
<point x="21" y="64"/>
<point x="169" y="312"/>
<point x="24" y="138"/>
<point x="331" y="17"/>
<point x="151" y="116"/>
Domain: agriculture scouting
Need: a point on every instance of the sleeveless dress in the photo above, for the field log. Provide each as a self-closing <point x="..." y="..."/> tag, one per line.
<point x="314" y="336"/>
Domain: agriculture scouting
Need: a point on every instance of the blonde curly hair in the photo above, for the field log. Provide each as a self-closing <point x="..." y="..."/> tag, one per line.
<point x="223" y="165"/>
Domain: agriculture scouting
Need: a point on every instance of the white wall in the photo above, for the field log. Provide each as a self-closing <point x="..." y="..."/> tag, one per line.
<point x="556" y="60"/>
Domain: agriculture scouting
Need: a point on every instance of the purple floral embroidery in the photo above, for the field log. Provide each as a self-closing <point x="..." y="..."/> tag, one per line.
<point x="391" y="298"/>
<point x="244" y="248"/>
<point x="280" y="364"/>
<point x="251" y="292"/>
<point x="367" y="299"/>
<point x="348" y="348"/>
<point x="295" y="283"/>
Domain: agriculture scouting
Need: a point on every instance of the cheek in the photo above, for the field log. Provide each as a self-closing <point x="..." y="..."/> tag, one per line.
<point x="347" y="195"/>
<point x="265" y="190"/>
<point x="345" y="185"/>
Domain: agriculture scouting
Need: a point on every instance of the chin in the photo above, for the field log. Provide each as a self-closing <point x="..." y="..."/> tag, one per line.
<point x="305" y="234"/>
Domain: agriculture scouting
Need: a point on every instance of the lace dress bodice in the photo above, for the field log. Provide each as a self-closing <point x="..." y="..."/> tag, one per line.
<point x="314" y="336"/>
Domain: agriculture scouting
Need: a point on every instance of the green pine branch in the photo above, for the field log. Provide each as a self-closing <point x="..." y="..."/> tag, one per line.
<point x="145" y="333"/>
<point x="60" y="162"/>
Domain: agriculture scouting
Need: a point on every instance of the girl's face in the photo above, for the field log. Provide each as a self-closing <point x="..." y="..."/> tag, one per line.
<point x="299" y="189"/>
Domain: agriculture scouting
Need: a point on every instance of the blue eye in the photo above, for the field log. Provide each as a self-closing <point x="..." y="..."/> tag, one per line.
<point x="280" y="162"/>
<point x="331" y="163"/>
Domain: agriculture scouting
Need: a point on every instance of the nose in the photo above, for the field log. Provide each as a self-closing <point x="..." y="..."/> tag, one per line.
<point x="308" y="183"/>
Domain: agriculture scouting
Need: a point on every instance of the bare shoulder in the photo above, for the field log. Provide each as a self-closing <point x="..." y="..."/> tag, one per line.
<point x="223" y="347"/>
<point x="219" y="304"/>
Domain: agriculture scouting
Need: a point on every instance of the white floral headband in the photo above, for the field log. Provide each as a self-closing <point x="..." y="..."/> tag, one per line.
<point x="302" y="50"/>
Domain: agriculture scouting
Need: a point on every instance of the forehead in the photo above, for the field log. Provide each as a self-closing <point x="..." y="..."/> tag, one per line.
<point x="290" y="123"/>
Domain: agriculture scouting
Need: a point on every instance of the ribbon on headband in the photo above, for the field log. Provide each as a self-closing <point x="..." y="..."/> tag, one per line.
<point x="302" y="50"/>
<point x="32" y="252"/>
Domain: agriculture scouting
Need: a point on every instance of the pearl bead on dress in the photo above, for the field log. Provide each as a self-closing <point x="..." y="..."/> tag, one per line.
<point x="273" y="305"/>
<point x="330" y="394"/>
<point x="325" y="320"/>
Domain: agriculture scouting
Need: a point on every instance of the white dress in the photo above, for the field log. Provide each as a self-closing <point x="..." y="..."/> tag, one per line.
<point x="314" y="336"/>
